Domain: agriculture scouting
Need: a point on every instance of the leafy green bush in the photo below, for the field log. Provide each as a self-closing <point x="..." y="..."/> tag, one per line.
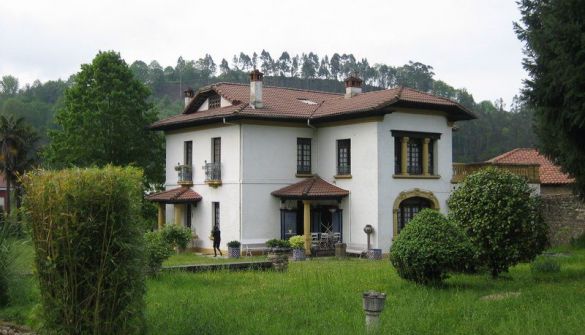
<point x="5" y="247"/>
<point x="177" y="236"/>
<point x="233" y="244"/>
<point x="496" y="211"/>
<point x="429" y="247"/>
<point x="276" y="243"/>
<point x="157" y="251"/>
<point x="89" y="246"/>
<point x="578" y="242"/>
<point x="545" y="265"/>
<point x="297" y="242"/>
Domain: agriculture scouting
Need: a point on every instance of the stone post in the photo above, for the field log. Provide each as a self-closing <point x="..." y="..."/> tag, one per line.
<point x="373" y="306"/>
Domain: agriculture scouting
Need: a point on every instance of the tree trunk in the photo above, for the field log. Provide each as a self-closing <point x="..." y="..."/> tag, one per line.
<point x="7" y="192"/>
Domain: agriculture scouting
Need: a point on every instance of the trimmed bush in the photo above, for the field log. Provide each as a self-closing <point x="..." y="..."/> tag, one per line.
<point x="276" y="243"/>
<point x="429" y="247"/>
<point x="88" y="241"/>
<point x="4" y="263"/>
<point x="157" y="251"/>
<point x="545" y="265"/>
<point x="233" y="244"/>
<point x="297" y="242"/>
<point x="177" y="236"/>
<point x="495" y="209"/>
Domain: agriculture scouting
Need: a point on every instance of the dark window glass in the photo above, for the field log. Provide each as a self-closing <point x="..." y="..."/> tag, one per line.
<point x="216" y="148"/>
<point x="188" y="216"/>
<point x="409" y="208"/>
<point x="215" y="219"/>
<point x="344" y="157"/>
<point x="303" y="155"/>
<point x="214" y="101"/>
<point x="188" y="153"/>
<point x="414" y="156"/>
<point x="431" y="157"/>
<point x="397" y="155"/>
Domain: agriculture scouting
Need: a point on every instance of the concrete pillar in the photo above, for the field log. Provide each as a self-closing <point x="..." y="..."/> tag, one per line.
<point x="178" y="214"/>
<point x="161" y="215"/>
<point x="425" y="153"/>
<point x="404" y="157"/>
<point x="307" y="226"/>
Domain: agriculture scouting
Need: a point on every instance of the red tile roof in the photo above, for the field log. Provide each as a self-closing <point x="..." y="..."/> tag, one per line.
<point x="181" y="194"/>
<point x="311" y="188"/>
<point x="289" y="104"/>
<point x="550" y="173"/>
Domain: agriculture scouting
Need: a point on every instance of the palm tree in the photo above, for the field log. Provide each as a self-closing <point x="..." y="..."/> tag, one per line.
<point x="17" y="150"/>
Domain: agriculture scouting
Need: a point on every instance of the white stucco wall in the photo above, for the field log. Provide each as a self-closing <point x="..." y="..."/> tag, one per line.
<point x="258" y="159"/>
<point x="360" y="208"/>
<point x="227" y="194"/>
<point x="389" y="187"/>
<point x="269" y="163"/>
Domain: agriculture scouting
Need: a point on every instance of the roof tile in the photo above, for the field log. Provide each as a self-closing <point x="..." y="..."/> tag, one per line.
<point x="311" y="188"/>
<point x="181" y="194"/>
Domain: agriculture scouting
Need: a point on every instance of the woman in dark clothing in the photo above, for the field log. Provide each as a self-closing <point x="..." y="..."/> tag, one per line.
<point x="216" y="240"/>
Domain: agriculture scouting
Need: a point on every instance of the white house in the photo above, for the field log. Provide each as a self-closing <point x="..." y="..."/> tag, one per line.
<point x="271" y="162"/>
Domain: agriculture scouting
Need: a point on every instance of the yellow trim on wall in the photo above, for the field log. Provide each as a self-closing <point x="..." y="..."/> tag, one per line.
<point x="411" y="194"/>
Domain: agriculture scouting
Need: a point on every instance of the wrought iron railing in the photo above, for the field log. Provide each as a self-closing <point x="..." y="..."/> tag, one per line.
<point x="529" y="171"/>
<point x="184" y="174"/>
<point x="212" y="172"/>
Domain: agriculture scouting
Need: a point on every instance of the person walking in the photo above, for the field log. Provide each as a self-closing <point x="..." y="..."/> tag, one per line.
<point x="216" y="240"/>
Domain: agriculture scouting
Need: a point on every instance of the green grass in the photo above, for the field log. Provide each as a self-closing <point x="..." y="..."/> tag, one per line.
<point x="323" y="296"/>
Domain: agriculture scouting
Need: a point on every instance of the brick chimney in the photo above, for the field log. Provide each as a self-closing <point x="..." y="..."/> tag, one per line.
<point x="353" y="86"/>
<point x="189" y="95"/>
<point x="256" y="89"/>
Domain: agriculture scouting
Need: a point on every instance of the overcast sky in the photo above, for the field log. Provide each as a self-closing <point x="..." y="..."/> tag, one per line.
<point x="470" y="44"/>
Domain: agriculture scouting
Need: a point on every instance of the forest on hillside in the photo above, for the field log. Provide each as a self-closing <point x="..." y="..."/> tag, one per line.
<point x="498" y="129"/>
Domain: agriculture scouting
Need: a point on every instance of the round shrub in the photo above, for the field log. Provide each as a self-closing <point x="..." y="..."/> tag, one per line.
<point x="276" y="243"/>
<point x="157" y="251"/>
<point x="497" y="212"/>
<point x="429" y="247"/>
<point x="297" y="242"/>
<point x="177" y="236"/>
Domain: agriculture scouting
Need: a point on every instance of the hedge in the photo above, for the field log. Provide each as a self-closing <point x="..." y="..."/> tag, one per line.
<point x="88" y="245"/>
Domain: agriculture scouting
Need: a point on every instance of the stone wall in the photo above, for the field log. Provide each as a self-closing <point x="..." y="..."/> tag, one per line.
<point x="565" y="216"/>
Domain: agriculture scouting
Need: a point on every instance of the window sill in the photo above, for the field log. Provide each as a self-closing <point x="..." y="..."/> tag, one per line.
<point x="213" y="183"/>
<point x="304" y="175"/>
<point x="415" y="176"/>
<point x="342" y="176"/>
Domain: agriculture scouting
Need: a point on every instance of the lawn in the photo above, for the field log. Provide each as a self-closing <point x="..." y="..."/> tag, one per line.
<point x="323" y="296"/>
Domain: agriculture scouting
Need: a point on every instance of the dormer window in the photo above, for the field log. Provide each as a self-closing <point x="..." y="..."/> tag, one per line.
<point x="214" y="101"/>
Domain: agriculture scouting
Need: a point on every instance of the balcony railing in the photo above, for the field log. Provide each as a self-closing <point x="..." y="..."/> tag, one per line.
<point x="529" y="171"/>
<point x="213" y="173"/>
<point x="184" y="174"/>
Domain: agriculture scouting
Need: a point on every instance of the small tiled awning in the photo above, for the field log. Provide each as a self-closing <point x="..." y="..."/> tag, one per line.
<point x="313" y="188"/>
<point x="180" y="195"/>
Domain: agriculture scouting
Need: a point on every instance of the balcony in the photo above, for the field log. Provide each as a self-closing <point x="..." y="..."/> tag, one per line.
<point x="213" y="174"/>
<point x="184" y="175"/>
<point x="529" y="171"/>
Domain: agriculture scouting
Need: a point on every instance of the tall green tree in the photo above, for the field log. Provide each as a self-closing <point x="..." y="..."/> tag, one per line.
<point x="553" y="32"/>
<point x="104" y="120"/>
<point x="17" y="151"/>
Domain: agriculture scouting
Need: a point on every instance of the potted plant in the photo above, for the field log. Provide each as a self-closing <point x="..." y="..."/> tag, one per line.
<point x="297" y="243"/>
<point x="278" y="253"/>
<point x="234" y="249"/>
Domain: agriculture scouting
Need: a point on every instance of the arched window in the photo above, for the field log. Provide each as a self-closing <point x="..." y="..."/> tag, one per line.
<point x="408" y="208"/>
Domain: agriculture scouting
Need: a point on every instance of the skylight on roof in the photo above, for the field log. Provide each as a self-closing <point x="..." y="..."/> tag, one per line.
<point x="307" y="101"/>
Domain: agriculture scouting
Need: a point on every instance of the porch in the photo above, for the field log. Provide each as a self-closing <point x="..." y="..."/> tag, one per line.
<point x="311" y="208"/>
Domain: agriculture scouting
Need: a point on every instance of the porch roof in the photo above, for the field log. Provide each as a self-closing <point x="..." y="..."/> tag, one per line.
<point x="314" y="188"/>
<point x="177" y="195"/>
